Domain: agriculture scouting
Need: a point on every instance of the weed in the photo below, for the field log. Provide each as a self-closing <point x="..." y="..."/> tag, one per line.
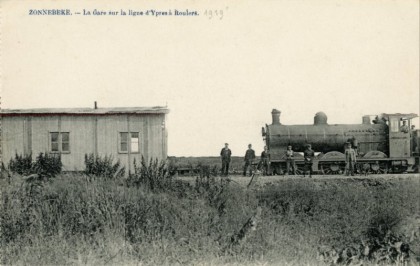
<point x="45" y="165"/>
<point x="48" y="165"/>
<point x="21" y="164"/>
<point x="103" y="166"/>
<point x="155" y="176"/>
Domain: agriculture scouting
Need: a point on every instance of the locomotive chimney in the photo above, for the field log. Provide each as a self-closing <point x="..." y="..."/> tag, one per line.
<point x="366" y="120"/>
<point x="96" y="105"/>
<point x="275" y="114"/>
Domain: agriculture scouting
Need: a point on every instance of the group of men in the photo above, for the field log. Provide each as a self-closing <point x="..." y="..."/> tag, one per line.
<point x="308" y="156"/>
<point x="249" y="159"/>
<point x="264" y="163"/>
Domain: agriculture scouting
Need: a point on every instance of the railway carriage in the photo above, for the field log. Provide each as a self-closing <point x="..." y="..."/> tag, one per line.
<point x="385" y="144"/>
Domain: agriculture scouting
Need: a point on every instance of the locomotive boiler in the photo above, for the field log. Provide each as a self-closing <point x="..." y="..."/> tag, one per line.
<point x="383" y="144"/>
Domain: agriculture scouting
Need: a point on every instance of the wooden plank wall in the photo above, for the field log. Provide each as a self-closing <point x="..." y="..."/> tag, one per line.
<point x="12" y="138"/>
<point x="81" y="130"/>
<point x="88" y="134"/>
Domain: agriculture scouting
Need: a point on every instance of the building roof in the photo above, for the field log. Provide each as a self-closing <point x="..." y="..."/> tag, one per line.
<point x="86" y="111"/>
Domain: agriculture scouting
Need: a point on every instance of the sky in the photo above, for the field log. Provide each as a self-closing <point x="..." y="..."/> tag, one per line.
<point x="220" y="77"/>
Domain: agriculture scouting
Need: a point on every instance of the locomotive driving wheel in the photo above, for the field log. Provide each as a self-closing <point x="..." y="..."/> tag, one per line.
<point x="379" y="168"/>
<point x="373" y="168"/>
<point x="333" y="168"/>
<point x="300" y="169"/>
<point x="276" y="169"/>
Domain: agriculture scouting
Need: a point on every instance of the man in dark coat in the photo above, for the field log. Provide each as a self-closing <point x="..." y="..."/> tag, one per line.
<point x="308" y="156"/>
<point x="225" y="155"/>
<point x="265" y="161"/>
<point x="249" y="158"/>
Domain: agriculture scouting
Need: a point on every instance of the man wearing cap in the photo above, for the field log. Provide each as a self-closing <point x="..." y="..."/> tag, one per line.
<point x="290" y="160"/>
<point x="249" y="158"/>
<point x="308" y="156"/>
<point x="354" y="143"/>
<point x="350" y="159"/>
<point x="404" y="127"/>
<point x="265" y="161"/>
<point x="225" y="155"/>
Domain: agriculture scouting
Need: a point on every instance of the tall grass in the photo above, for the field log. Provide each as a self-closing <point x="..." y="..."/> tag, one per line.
<point x="77" y="220"/>
<point x="347" y="213"/>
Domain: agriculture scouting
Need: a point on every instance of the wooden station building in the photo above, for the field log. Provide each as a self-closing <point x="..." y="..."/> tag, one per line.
<point x="124" y="133"/>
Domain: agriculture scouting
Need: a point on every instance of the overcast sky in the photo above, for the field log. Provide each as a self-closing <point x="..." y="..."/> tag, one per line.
<point x="220" y="77"/>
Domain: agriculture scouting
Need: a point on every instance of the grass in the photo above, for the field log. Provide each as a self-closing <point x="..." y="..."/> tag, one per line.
<point x="74" y="220"/>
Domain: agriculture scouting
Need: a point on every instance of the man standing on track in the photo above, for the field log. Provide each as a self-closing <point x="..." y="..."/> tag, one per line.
<point x="290" y="161"/>
<point x="308" y="155"/>
<point x="265" y="161"/>
<point x="350" y="159"/>
<point x="225" y="155"/>
<point x="354" y="144"/>
<point x="249" y="158"/>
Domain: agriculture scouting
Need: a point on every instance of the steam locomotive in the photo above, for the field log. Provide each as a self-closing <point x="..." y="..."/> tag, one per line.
<point x="387" y="144"/>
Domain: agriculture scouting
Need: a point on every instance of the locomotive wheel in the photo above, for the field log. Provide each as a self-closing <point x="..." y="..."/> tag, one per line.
<point x="300" y="169"/>
<point x="364" y="168"/>
<point x="276" y="169"/>
<point x="373" y="168"/>
<point x="398" y="169"/>
<point x="332" y="169"/>
<point x="378" y="168"/>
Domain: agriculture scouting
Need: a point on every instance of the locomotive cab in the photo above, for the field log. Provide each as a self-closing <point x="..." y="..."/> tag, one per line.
<point x="400" y="141"/>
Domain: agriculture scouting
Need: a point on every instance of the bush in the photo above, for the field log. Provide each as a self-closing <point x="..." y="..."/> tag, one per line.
<point x="21" y="164"/>
<point x="48" y="165"/>
<point x="45" y="165"/>
<point x="103" y="167"/>
<point x="154" y="176"/>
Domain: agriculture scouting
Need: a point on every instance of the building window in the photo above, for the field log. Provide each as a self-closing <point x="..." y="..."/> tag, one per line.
<point x="60" y="142"/>
<point x="123" y="142"/>
<point x="129" y="140"/>
<point x="54" y="142"/>
<point x="65" y="142"/>
<point x="134" y="142"/>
